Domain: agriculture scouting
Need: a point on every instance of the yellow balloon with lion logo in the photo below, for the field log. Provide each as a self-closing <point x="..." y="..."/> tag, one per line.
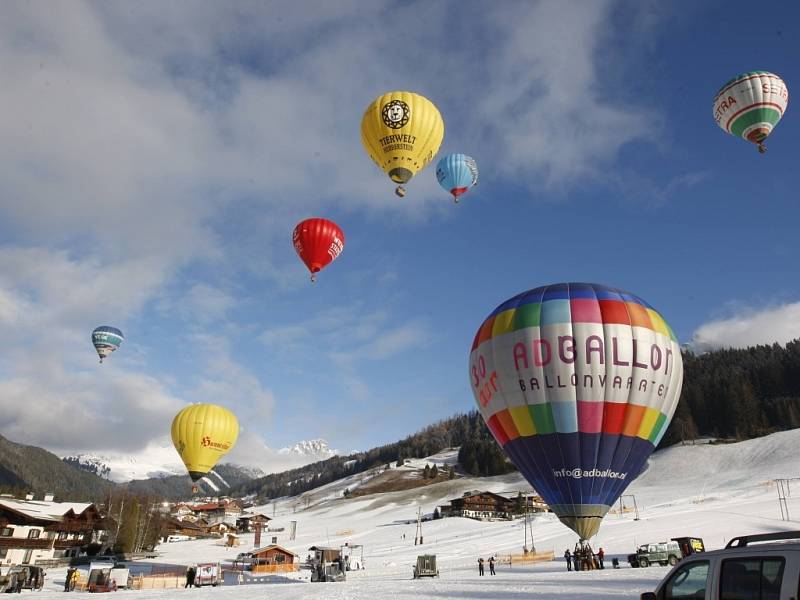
<point x="202" y="434"/>
<point x="402" y="132"/>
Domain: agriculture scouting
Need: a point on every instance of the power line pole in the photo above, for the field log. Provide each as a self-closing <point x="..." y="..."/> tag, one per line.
<point x="418" y="534"/>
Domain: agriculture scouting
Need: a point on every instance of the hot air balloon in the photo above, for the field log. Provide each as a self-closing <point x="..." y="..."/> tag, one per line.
<point x="202" y="434"/>
<point x="106" y="339"/>
<point x="317" y="242"/>
<point x="577" y="382"/>
<point x="457" y="173"/>
<point x="402" y="132"/>
<point x="750" y="105"/>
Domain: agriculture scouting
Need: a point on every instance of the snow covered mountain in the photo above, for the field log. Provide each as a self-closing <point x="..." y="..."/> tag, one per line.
<point x="162" y="461"/>
<point x="153" y="461"/>
<point x="317" y="449"/>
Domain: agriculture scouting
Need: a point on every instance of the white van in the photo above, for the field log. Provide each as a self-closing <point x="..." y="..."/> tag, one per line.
<point x="759" y="567"/>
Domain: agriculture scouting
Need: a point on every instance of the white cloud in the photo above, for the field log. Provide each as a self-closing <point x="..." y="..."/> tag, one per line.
<point x="139" y="140"/>
<point x="749" y="327"/>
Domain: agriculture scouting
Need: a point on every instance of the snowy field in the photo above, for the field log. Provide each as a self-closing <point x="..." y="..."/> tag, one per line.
<point x="711" y="491"/>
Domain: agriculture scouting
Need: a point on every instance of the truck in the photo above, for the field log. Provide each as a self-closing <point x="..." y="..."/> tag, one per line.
<point x="426" y="566"/>
<point x="663" y="553"/>
<point x="208" y="574"/>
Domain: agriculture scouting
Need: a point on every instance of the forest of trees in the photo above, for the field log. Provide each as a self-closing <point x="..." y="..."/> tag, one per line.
<point x="738" y="394"/>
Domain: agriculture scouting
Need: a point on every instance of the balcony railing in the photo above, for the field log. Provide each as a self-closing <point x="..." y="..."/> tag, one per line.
<point x="26" y="543"/>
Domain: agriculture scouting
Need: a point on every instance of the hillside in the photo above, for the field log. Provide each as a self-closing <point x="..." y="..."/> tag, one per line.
<point x="31" y="469"/>
<point x="714" y="491"/>
<point x="176" y="487"/>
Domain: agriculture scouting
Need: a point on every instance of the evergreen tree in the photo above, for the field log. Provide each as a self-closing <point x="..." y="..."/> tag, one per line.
<point x="434" y="472"/>
<point x="426" y="473"/>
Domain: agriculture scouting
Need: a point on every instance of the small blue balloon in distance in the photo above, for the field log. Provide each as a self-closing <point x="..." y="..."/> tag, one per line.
<point x="457" y="173"/>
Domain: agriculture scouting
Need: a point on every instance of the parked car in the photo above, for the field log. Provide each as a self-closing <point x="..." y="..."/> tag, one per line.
<point x="663" y="553"/>
<point x="764" y="566"/>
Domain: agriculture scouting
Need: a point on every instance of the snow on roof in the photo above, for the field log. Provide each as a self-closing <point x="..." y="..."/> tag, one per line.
<point x="271" y="547"/>
<point x="48" y="511"/>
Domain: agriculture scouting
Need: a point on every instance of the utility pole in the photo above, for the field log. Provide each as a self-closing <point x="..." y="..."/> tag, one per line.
<point x="783" y="492"/>
<point x="418" y="534"/>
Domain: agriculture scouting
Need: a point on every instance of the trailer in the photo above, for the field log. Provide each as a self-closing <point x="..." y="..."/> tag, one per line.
<point x="327" y="564"/>
<point x="353" y="555"/>
<point x="208" y="574"/>
<point x="426" y="566"/>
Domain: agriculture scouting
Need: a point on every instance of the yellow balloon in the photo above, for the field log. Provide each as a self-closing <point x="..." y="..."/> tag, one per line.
<point x="402" y="132"/>
<point x="202" y="434"/>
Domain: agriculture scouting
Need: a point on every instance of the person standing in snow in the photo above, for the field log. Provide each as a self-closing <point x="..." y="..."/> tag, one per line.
<point x="568" y="559"/>
<point x="190" y="574"/>
<point x="480" y="566"/>
<point x="491" y="566"/>
<point x="600" y="556"/>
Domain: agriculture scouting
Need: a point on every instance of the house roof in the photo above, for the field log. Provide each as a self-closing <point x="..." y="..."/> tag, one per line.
<point x="272" y="547"/>
<point x="209" y="506"/>
<point x="248" y="515"/>
<point x="478" y="493"/>
<point x="46" y="511"/>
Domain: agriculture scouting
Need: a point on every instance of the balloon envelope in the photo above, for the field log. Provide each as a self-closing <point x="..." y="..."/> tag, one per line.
<point x="317" y="242"/>
<point x="202" y="434"/>
<point x="577" y="382"/>
<point x="402" y="132"/>
<point x="457" y="173"/>
<point x="106" y="339"/>
<point x="750" y="105"/>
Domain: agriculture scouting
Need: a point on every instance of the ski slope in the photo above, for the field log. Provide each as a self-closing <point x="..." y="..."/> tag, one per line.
<point x="711" y="491"/>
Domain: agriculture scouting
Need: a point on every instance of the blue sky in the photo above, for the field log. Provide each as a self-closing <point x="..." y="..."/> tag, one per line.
<point x="155" y="157"/>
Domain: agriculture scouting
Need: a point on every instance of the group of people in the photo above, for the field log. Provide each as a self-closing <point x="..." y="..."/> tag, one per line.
<point x="491" y="566"/>
<point x="583" y="558"/>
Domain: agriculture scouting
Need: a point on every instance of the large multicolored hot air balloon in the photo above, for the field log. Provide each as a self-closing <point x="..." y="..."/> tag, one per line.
<point x="577" y="382"/>
<point x="457" y="173"/>
<point x="402" y="132"/>
<point x="202" y="434"/>
<point x="317" y="242"/>
<point x="106" y="339"/>
<point x="750" y="105"/>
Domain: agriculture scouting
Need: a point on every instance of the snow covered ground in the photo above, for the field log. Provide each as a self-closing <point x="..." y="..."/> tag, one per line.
<point x="711" y="491"/>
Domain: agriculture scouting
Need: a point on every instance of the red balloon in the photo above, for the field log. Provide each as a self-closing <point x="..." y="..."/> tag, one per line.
<point x="317" y="242"/>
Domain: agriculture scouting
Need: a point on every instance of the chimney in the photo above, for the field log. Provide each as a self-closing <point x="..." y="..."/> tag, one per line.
<point x="29" y="496"/>
<point x="48" y="497"/>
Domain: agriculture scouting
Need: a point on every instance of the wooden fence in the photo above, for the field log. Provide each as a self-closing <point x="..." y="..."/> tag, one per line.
<point x="158" y="582"/>
<point x="284" y="568"/>
<point x="528" y="557"/>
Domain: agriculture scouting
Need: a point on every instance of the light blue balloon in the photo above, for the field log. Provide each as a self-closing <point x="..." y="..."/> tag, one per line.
<point x="457" y="173"/>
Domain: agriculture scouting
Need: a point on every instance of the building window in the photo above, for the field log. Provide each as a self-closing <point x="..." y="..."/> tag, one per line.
<point x="280" y="559"/>
<point x="26" y="559"/>
<point x="62" y="535"/>
<point x="33" y="534"/>
<point x="7" y="532"/>
<point x="3" y="552"/>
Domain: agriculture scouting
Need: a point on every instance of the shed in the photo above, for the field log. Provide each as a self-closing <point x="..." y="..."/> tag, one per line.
<point x="274" y="559"/>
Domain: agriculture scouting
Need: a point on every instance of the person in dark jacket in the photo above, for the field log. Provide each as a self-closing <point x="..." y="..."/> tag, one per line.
<point x="190" y="575"/>
<point x="68" y="578"/>
<point x="491" y="566"/>
<point x="568" y="559"/>
<point x="480" y="566"/>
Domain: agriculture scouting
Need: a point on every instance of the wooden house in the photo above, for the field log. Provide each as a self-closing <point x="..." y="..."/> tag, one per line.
<point x="480" y="505"/>
<point x="247" y="522"/>
<point x="270" y="559"/>
<point x="32" y="531"/>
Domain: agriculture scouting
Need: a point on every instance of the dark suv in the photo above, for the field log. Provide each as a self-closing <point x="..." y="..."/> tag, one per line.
<point x="752" y="567"/>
